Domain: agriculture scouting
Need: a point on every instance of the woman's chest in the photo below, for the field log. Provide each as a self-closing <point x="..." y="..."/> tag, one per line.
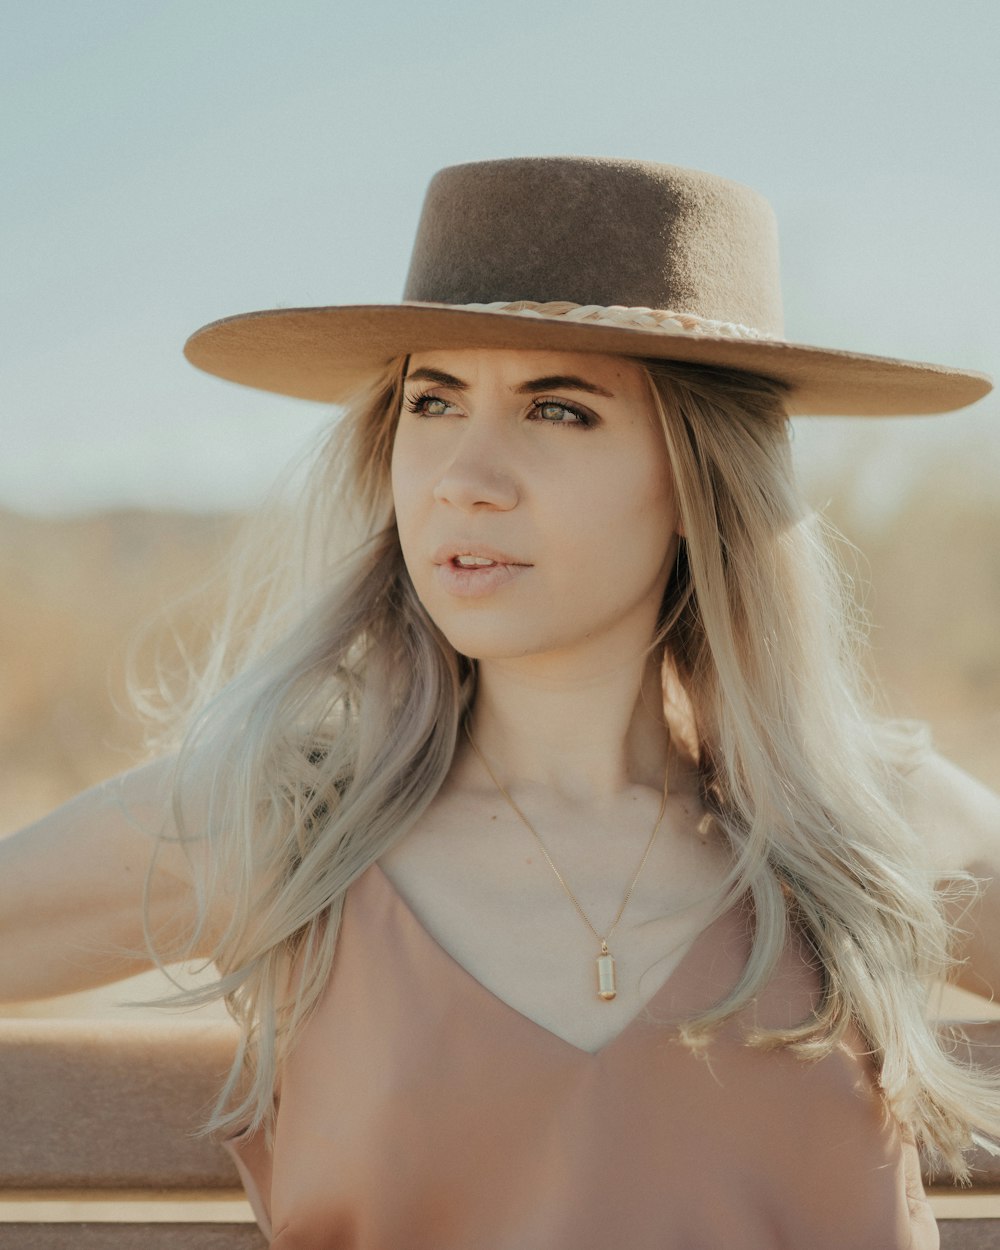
<point x="419" y="1110"/>
<point x="506" y="920"/>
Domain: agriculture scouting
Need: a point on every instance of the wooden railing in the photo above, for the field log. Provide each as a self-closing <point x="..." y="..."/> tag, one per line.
<point x="97" y="1152"/>
<point x="96" y="1145"/>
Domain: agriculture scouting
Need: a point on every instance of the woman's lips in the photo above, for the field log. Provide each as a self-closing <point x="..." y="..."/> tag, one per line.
<point x="474" y="570"/>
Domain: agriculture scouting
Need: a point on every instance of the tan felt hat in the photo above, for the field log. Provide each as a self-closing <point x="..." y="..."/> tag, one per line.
<point x="580" y="254"/>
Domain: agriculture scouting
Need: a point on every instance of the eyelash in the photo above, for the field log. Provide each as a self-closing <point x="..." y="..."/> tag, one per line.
<point x="417" y="404"/>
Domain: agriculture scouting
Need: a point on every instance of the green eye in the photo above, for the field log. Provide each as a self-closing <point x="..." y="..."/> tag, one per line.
<point x="427" y="405"/>
<point x="556" y="413"/>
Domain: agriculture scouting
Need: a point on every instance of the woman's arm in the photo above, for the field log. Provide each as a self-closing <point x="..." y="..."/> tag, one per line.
<point x="71" y="888"/>
<point x="959" y="818"/>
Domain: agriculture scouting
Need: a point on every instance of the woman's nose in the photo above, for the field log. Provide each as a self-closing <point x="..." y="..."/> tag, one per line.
<point x="477" y="475"/>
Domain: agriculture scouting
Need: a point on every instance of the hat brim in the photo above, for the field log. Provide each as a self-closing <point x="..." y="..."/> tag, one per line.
<point x="328" y="354"/>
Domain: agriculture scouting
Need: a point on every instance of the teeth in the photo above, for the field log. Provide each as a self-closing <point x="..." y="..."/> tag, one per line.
<point x="473" y="562"/>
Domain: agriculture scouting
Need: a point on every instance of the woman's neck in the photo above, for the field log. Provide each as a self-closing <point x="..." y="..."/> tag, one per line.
<point x="588" y="735"/>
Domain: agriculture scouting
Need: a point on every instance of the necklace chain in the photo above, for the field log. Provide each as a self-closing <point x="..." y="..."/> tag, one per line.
<point x="605" y="963"/>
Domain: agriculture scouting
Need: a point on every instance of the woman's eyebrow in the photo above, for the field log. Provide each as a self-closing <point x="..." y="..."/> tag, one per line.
<point x="552" y="382"/>
<point x="437" y="376"/>
<point x="561" y="382"/>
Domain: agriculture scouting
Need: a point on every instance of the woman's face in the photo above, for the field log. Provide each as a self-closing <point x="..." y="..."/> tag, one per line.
<point x="534" y="500"/>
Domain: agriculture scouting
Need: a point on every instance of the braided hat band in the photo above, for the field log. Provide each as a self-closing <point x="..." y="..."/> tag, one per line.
<point x="656" y="320"/>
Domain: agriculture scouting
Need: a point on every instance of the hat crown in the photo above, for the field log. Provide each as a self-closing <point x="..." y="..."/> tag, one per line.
<point x="593" y="230"/>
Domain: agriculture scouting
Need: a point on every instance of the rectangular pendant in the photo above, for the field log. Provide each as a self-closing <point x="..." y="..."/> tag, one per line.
<point x="606" y="977"/>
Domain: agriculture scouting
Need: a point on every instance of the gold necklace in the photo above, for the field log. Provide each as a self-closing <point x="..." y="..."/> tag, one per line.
<point x="606" y="987"/>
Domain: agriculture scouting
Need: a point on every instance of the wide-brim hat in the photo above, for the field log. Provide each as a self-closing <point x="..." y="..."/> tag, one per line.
<point x="580" y="254"/>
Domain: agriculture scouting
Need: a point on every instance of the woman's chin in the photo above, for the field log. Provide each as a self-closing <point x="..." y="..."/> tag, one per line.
<point x="517" y="644"/>
<point x="479" y="648"/>
<point x="484" y="640"/>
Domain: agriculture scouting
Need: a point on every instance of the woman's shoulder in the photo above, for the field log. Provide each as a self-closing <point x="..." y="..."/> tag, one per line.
<point x="958" y="819"/>
<point x="956" y="815"/>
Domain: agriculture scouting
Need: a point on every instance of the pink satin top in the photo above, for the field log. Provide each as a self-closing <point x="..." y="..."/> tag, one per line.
<point x="420" y="1112"/>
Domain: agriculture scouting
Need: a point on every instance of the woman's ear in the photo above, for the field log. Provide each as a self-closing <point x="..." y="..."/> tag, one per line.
<point x="679" y="529"/>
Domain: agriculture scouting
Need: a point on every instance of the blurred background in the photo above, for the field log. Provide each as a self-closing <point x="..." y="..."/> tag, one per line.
<point x="167" y="162"/>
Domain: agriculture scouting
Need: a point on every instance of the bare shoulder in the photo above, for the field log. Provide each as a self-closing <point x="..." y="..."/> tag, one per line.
<point x="959" y="820"/>
<point x="957" y="816"/>
<point x="74" y="886"/>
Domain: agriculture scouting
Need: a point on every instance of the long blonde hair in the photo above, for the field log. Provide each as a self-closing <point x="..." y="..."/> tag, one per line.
<point x="327" y="720"/>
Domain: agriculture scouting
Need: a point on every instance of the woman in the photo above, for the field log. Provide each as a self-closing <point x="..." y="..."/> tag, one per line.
<point x="564" y="886"/>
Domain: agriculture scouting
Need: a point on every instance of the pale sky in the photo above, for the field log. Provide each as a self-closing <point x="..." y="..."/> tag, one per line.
<point x="167" y="162"/>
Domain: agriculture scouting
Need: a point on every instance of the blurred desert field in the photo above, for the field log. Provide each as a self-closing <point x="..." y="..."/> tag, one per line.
<point x="79" y="596"/>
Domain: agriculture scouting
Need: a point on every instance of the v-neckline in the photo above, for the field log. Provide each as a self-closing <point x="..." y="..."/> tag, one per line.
<point x="477" y="986"/>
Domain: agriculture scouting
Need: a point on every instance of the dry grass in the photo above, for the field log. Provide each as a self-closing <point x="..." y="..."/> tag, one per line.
<point x="78" y="596"/>
<point x="935" y="606"/>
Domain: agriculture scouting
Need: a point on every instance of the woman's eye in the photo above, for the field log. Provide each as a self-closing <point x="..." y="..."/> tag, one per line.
<point x="556" y="413"/>
<point x="428" y="405"/>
